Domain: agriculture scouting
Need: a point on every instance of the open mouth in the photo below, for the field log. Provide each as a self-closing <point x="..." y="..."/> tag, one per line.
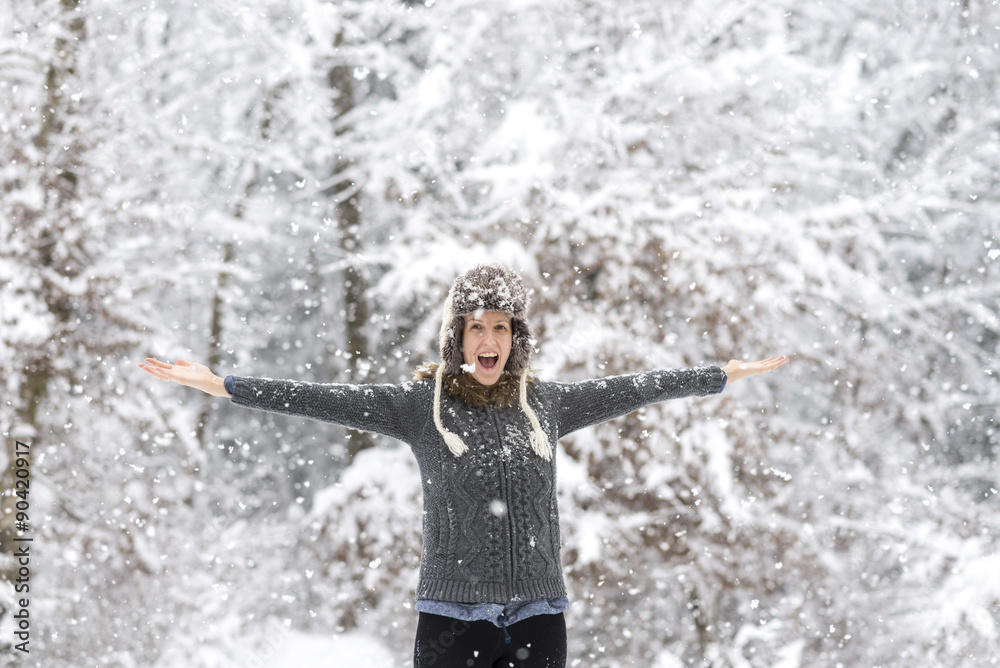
<point x="488" y="360"/>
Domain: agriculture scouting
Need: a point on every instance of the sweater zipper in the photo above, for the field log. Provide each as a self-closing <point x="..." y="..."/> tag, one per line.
<point x="506" y="500"/>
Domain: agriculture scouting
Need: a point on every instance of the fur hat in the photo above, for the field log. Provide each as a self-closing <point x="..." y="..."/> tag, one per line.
<point x="487" y="288"/>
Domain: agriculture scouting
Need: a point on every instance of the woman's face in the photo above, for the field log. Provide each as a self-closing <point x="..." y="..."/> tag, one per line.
<point x="486" y="343"/>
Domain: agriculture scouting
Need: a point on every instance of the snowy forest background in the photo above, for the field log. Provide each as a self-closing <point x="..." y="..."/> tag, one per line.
<point x="287" y="188"/>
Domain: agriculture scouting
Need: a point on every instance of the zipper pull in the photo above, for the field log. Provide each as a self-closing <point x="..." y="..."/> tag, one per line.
<point x="503" y="625"/>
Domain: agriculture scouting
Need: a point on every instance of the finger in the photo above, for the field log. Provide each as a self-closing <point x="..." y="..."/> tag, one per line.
<point x="155" y="373"/>
<point x="157" y="363"/>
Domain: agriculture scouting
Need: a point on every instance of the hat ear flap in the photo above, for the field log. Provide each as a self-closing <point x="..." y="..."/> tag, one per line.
<point x="451" y="349"/>
<point x="521" y="348"/>
<point x="450" y="338"/>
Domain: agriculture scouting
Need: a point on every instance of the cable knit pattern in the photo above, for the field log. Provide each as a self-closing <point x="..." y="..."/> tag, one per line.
<point x="491" y="521"/>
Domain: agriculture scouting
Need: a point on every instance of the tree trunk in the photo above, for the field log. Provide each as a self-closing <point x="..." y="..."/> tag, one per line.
<point x="346" y="196"/>
<point x="214" y="357"/>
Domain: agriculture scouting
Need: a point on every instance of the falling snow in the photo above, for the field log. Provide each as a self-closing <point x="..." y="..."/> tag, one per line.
<point x="288" y="189"/>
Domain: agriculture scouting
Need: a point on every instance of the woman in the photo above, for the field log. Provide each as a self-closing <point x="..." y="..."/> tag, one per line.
<point x="491" y="590"/>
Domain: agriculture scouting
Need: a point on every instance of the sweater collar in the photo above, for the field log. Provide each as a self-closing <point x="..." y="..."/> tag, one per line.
<point x="465" y="388"/>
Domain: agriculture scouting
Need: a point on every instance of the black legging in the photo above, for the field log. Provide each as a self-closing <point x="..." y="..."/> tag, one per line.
<point x="535" y="642"/>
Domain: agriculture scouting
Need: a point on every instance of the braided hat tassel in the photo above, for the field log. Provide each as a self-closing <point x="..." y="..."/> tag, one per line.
<point x="539" y="441"/>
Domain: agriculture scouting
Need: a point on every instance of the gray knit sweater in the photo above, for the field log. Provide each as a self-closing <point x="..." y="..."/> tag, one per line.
<point x="491" y="521"/>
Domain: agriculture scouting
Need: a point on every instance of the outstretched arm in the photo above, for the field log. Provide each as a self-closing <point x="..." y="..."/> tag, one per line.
<point x="736" y="369"/>
<point x="187" y="373"/>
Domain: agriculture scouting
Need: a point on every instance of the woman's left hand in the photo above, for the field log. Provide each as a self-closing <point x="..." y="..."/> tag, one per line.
<point x="736" y="369"/>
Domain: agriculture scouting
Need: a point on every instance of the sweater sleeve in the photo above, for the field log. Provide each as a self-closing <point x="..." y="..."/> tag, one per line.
<point x="591" y="402"/>
<point x="398" y="411"/>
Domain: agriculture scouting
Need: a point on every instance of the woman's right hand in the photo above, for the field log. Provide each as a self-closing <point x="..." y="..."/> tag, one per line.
<point x="187" y="373"/>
